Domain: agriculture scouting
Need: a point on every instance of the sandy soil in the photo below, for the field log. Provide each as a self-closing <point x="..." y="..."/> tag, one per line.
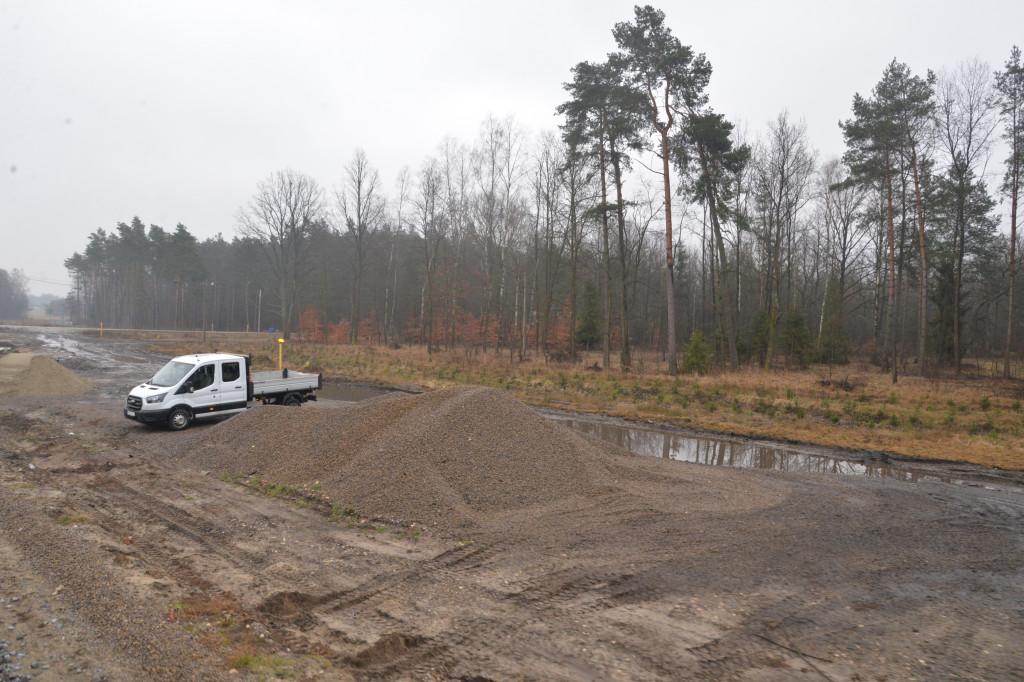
<point x="157" y="564"/>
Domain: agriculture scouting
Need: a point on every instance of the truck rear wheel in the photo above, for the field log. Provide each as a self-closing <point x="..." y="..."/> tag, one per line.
<point x="292" y="400"/>
<point x="179" y="419"/>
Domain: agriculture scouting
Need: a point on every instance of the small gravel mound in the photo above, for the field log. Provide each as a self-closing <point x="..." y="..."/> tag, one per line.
<point x="453" y="457"/>
<point x="29" y="374"/>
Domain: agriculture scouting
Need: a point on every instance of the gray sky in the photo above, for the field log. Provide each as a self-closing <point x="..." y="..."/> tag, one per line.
<point x="173" y="111"/>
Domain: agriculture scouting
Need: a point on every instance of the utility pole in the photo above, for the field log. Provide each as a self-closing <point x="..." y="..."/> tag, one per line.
<point x="205" y="287"/>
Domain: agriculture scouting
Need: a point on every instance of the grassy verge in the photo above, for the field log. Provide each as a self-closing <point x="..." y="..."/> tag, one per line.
<point x="973" y="418"/>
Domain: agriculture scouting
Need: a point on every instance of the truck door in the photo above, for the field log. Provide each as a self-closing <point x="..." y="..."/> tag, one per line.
<point x="233" y="393"/>
<point x="205" y="397"/>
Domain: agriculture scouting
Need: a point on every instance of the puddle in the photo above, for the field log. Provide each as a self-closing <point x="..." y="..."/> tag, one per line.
<point x="655" y="443"/>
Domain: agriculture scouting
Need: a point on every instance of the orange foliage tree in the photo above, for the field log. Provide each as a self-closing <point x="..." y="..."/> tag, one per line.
<point x="338" y="333"/>
<point x="310" y="327"/>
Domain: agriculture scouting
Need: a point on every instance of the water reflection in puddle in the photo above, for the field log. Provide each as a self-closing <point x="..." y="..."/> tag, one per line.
<point x="668" y="445"/>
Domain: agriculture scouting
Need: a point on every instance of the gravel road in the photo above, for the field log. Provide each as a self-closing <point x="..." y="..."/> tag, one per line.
<point x="376" y="542"/>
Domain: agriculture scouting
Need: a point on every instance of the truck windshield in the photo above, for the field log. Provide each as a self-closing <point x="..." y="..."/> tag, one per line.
<point x="171" y="373"/>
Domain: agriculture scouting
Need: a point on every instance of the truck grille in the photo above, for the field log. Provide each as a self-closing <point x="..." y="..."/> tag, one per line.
<point x="134" y="402"/>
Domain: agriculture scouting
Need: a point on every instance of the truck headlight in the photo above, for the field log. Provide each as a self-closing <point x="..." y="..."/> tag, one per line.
<point x="158" y="398"/>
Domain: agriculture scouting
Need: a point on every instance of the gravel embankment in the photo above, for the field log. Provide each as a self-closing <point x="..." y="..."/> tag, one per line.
<point x="451" y="457"/>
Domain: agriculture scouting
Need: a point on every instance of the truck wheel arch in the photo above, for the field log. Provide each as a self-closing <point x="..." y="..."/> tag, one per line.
<point x="179" y="418"/>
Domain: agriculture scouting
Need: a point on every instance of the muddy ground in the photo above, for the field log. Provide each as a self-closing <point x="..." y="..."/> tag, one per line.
<point x="115" y="564"/>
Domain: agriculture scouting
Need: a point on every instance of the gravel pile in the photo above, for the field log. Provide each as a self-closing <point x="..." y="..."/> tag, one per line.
<point x="28" y="374"/>
<point x="453" y="457"/>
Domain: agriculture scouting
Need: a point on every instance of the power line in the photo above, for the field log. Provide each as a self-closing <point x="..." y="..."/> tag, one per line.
<point x="47" y="281"/>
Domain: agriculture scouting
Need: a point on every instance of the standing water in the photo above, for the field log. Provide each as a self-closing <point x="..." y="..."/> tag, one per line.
<point x="668" y="445"/>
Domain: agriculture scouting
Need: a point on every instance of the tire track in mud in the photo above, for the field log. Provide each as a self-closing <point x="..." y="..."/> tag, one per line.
<point x="125" y="509"/>
<point x="403" y="645"/>
<point x="449" y="563"/>
<point x="137" y="508"/>
<point x="556" y="601"/>
<point x="134" y="635"/>
<point x="997" y="511"/>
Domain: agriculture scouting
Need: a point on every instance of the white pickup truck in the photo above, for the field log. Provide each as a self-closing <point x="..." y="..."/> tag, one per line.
<point x="207" y="385"/>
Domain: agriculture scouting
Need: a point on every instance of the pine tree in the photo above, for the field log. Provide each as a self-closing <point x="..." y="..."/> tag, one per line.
<point x="1010" y="89"/>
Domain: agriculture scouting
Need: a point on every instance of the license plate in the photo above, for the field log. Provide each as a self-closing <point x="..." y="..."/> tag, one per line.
<point x="129" y="413"/>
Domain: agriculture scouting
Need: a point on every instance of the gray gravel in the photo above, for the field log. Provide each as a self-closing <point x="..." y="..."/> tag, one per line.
<point x="452" y="458"/>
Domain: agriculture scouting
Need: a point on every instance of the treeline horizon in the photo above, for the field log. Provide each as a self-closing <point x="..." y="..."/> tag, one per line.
<point x="567" y="241"/>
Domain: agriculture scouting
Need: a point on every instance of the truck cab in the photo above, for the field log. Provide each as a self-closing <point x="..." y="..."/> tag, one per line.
<point x="192" y="387"/>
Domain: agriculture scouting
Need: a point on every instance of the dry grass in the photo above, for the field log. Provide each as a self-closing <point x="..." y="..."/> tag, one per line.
<point x="221" y="626"/>
<point x="202" y="607"/>
<point x="72" y="520"/>
<point x="974" y="418"/>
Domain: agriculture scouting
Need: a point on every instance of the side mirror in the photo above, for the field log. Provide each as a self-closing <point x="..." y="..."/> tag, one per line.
<point x="189" y="387"/>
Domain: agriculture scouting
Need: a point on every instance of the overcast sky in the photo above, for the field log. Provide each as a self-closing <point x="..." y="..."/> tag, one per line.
<point x="174" y="111"/>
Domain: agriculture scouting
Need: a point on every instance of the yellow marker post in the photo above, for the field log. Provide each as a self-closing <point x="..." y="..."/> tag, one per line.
<point x="101" y="330"/>
<point x="280" y="353"/>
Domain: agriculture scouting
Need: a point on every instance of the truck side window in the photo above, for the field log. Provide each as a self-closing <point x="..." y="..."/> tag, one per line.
<point x="229" y="371"/>
<point x="202" y="377"/>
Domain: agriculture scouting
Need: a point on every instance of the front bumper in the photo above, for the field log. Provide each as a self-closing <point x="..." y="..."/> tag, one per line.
<point x="146" y="416"/>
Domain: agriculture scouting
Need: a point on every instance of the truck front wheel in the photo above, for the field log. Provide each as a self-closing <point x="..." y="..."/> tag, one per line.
<point x="179" y="419"/>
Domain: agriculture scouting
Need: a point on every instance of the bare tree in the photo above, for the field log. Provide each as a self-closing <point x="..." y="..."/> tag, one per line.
<point x="965" y="123"/>
<point x="840" y="203"/>
<point x="498" y="169"/>
<point x="429" y="205"/>
<point x="395" y="231"/>
<point x="360" y="206"/>
<point x="457" y="179"/>
<point x="280" y="218"/>
<point x="783" y="169"/>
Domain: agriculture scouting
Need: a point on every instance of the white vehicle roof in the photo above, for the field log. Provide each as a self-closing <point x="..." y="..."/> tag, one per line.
<point x="199" y="358"/>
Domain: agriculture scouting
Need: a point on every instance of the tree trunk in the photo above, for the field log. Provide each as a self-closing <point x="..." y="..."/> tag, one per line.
<point x="673" y="367"/>
<point x="1014" y="188"/>
<point x="624" y="358"/>
<point x="922" y="312"/>
<point x="606" y="347"/>
<point x="891" y="312"/>
<point x="353" y="332"/>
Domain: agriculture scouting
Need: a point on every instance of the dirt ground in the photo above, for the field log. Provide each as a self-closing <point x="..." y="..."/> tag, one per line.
<point x="120" y="562"/>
